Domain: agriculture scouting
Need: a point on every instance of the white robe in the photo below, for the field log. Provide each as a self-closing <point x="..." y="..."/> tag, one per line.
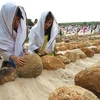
<point x="36" y="35"/>
<point x="14" y="46"/>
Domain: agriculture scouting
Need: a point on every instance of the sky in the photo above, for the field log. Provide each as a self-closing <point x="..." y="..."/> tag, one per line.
<point x="63" y="10"/>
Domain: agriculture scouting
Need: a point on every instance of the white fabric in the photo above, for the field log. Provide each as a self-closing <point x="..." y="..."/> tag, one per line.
<point x="36" y="35"/>
<point x="7" y="42"/>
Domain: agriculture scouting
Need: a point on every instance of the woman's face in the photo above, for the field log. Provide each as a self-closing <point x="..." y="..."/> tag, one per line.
<point x="48" y="23"/>
<point x="16" y="22"/>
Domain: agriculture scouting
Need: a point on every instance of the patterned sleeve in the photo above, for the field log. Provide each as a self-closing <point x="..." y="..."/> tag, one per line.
<point x="4" y="54"/>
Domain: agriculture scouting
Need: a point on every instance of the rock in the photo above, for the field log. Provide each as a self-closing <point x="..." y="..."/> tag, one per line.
<point x="7" y="74"/>
<point x="32" y="68"/>
<point x="72" y="93"/>
<point x="81" y="54"/>
<point x="86" y="43"/>
<point x="62" y="48"/>
<point x="94" y="48"/>
<point x="64" y="59"/>
<point x="89" y="79"/>
<point x="89" y="52"/>
<point x="59" y="39"/>
<point x="98" y="48"/>
<point x="80" y="45"/>
<point x="67" y="40"/>
<point x="96" y="43"/>
<point x="73" y="56"/>
<point x="68" y="46"/>
<point x="75" y="45"/>
<point x="52" y="63"/>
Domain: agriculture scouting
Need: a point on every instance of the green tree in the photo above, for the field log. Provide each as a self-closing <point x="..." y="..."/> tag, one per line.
<point x="29" y="22"/>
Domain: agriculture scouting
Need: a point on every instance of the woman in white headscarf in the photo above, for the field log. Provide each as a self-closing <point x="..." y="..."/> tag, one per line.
<point x="42" y="35"/>
<point x="12" y="33"/>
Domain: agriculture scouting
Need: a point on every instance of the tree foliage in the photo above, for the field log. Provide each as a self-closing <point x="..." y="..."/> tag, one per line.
<point x="29" y="22"/>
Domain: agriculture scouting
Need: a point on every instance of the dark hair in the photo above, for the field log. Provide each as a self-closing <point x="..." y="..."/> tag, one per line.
<point x="48" y="17"/>
<point x="19" y="13"/>
<point x="36" y="20"/>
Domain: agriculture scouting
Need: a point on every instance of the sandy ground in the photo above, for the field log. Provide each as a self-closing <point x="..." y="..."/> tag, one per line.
<point x="40" y="87"/>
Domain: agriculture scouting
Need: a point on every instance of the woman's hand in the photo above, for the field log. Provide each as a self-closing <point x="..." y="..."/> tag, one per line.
<point x="18" y="60"/>
<point x="26" y="52"/>
<point x="42" y="52"/>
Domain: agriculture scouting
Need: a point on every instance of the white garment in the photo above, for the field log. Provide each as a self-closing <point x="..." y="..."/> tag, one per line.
<point x="14" y="46"/>
<point x="36" y="35"/>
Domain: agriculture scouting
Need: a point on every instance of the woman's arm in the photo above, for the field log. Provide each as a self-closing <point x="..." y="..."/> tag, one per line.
<point x="8" y="57"/>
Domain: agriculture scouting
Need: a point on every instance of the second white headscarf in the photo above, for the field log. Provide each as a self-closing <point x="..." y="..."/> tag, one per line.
<point x="36" y="34"/>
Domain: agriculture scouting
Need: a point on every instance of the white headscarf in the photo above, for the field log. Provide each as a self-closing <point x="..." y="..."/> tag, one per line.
<point x="7" y="42"/>
<point x="36" y="35"/>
